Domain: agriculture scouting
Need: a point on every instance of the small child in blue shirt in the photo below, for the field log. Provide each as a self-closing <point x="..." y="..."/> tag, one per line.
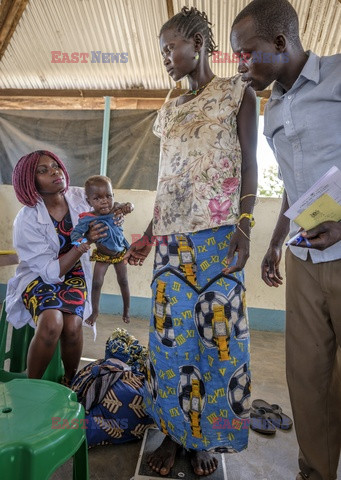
<point x="110" y="249"/>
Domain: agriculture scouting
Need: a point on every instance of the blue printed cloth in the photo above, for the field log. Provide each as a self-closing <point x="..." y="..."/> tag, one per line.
<point x="112" y="396"/>
<point x="198" y="381"/>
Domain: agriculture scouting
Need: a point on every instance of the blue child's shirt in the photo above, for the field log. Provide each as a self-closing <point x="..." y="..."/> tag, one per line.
<point x="114" y="240"/>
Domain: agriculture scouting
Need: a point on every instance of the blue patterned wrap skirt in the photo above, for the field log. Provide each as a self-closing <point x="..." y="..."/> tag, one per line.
<point x="198" y="380"/>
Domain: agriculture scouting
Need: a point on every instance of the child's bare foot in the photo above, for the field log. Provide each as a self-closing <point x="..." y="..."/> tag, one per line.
<point x="92" y="319"/>
<point x="126" y="318"/>
<point x="203" y="463"/>
<point x="162" y="459"/>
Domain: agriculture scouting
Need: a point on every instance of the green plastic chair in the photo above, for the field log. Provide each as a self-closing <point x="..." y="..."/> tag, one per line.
<point x="32" y="446"/>
<point x="17" y="353"/>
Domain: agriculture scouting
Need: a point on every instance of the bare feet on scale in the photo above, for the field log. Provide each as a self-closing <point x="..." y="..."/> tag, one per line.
<point x="162" y="459"/>
<point x="203" y="463"/>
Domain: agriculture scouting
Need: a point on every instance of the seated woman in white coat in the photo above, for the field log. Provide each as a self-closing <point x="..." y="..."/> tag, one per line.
<point x="50" y="288"/>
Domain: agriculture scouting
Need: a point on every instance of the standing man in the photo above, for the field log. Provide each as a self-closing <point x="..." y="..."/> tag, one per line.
<point x="302" y="125"/>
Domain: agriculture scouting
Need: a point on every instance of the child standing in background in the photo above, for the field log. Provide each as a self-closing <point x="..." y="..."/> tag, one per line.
<point x="110" y="249"/>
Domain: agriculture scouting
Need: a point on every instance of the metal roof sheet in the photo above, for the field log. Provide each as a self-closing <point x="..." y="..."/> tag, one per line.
<point x="132" y="27"/>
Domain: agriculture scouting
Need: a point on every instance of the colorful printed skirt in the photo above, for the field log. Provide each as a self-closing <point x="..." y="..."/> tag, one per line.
<point x="198" y="379"/>
<point x="68" y="296"/>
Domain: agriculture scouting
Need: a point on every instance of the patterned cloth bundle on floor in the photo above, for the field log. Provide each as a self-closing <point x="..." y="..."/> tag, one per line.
<point x="125" y="347"/>
<point x="111" y="394"/>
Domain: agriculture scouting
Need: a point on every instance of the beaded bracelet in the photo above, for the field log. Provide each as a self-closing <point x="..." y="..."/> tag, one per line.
<point x="249" y="216"/>
<point x="79" y="242"/>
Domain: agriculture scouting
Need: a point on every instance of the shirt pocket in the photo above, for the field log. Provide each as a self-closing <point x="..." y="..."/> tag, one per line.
<point x="323" y="130"/>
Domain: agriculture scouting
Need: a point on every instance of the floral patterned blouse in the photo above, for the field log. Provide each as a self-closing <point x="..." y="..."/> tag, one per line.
<point x="200" y="160"/>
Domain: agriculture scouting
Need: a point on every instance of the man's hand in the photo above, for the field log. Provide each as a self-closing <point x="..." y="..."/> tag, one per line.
<point x="323" y="236"/>
<point x="270" y="267"/>
<point x="138" y="252"/>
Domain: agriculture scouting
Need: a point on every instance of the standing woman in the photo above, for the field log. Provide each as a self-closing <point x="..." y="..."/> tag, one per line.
<point x="198" y="384"/>
<point x="50" y="288"/>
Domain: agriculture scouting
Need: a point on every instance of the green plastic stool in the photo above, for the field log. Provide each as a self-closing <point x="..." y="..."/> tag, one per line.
<point x="31" y="445"/>
<point x="17" y="353"/>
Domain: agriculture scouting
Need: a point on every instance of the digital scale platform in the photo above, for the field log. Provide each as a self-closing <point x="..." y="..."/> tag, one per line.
<point x="182" y="468"/>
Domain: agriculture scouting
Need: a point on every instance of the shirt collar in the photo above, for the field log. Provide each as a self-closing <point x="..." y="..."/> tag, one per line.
<point x="73" y="198"/>
<point x="43" y="214"/>
<point x="310" y="71"/>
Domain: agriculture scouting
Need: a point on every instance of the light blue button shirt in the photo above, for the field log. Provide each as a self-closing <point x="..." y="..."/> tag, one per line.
<point x="303" y="128"/>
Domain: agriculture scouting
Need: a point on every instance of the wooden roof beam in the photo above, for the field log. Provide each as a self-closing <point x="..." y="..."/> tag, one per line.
<point x="129" y="93"/>
<point x="48" y="102"/>
<point x="10" y="14"/>
<point x="170" y="9"/>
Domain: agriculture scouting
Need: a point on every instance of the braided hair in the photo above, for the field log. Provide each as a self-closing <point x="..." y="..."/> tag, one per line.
<point x="190" y="21"/>
<point x="24" y="177"/>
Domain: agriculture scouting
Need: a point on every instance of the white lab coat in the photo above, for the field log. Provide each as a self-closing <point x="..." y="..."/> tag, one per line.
<point x="37" y="245"/>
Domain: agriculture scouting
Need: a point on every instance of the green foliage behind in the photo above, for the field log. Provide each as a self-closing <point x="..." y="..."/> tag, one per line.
<point x="271" y="186"/>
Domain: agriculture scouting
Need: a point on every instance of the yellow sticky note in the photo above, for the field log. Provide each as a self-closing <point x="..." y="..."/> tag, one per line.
<point x="323" y="209"/>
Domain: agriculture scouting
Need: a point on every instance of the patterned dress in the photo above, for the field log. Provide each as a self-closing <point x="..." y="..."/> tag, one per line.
<point x="68" y="296"/>
<point x="198" y="380"/>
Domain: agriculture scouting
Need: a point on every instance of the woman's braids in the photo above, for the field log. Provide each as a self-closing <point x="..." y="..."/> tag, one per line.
<point x="190" y="21"/>
<point x="24" y="173"/>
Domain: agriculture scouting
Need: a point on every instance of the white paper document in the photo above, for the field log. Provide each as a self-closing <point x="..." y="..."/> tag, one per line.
<point x="322" y="202"/>
<point x="94" y="328"/>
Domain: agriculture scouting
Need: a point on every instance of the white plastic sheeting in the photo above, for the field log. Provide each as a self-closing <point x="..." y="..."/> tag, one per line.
<point x="76" y="137"/>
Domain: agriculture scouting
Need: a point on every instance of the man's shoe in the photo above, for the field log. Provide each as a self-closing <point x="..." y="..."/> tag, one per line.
<point x="302" y="476"/>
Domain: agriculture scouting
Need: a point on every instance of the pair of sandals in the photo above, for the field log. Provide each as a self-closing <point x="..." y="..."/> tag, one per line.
<point x="266" y="418"/>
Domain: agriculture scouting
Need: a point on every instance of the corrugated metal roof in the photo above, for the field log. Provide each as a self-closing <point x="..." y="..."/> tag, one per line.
<point x="132" y="26"/>
<point x="86" y="26"/>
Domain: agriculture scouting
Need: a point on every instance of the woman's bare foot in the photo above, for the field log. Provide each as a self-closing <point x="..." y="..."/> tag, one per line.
<point x="162" y="459"/>
<point x="126" y="318"/>
<point x="203" y="463"/>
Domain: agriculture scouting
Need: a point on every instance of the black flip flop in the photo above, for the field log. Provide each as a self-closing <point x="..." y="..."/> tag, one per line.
<point x="274" y="414"/>
<point x="259" y="422"/>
